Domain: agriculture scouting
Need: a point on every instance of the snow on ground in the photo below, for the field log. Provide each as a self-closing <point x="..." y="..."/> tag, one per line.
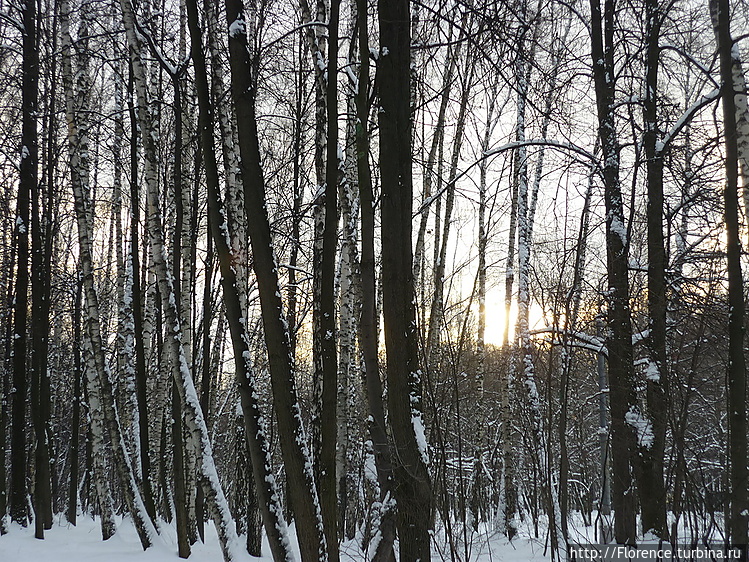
<point x="65" y="543"/>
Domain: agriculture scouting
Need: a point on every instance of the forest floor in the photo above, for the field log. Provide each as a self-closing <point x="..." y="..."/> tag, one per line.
<point x="65" y="543"/>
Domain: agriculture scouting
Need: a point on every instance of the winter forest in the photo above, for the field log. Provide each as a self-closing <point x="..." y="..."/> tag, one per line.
<point x="357" y="280"/>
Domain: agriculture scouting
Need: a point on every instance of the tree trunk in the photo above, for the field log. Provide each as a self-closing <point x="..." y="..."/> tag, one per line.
<point x="329" y="410"/>
<point x="650" y="482"/>
<point x="301" y="486"/>
<point x="178" y="456"/>
<point x="385" y="525"/>
<point x="77" y="397"/>
<point x="255" y="431"/>
<point x="192" y="413"/>
<point x="43" y="233"/>
<point x="412" y="485"/>
<point x="738" y="512"/>
<point x="26" y="186"/>
<point x="140" y="333"/>
<point x="625" y="415"/>
<point x="100" y="389"/>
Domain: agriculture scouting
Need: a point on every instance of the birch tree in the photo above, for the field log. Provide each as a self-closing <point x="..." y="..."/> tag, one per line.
<point x="101" y="395"/>
<point x="180" y="370"/>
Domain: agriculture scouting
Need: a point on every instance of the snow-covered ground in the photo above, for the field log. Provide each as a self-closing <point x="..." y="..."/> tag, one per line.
<point x="65" y="543"/>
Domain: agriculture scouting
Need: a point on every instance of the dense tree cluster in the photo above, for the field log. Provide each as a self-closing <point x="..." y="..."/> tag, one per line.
<point x="391" y="272"/>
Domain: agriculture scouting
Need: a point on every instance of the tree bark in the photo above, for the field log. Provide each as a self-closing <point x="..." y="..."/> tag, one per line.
<point x="27" y="185"/>
<point x="412" y="485"/>
<point x="650" y="483"/>
<point x="192" y="413"/>
<point x="255" y="431"/>
<point x="101" y="397"/>
<point x="77" y="397"/>
<point x="329" y="411"/>
<point x="624" y="411"/>
<point x="385" y="524"/>
<point x="301" y="485"/>
<point x="738" y="512"/>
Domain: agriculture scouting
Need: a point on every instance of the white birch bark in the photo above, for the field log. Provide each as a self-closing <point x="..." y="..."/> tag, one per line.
<point x="192" y="412"/>
<point x="742" y="115"/>
<point x="234" y="203"/>
<point x="126" y="320"/>
<point x="349" y="311"/>
<point x="96" y="429"/>
<point x="101" y="395"/>
<point x="316" y="43"/>
<point x="742" y="123"/>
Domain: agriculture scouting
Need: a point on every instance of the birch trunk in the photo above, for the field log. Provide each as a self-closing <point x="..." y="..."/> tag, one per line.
<point x="101" y="397"/>
<point x="193" y="414"/>
<point x="741" y="110"/>
<point x="317" y="42"/>
<point x="349" y="311"/>
<point x="524" y="359"/>
<point x="234" y="201"/>
<point x="141" y="326"/>
<point x="78" y="368"/>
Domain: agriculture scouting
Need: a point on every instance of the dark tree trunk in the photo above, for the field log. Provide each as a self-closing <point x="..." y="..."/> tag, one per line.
<point x="368" y="324"/>
<point x="412" y="485"/>
<point x="329" y="409"/>
<point x="77" y="397"/>
<point x="738" y="512"/>
<point x="141" y="375"/>
<point x="301" y="486"/>
<point x="619" y="343"/>
<point x="650" y="474"/>
<point x="205" y="382"/>
<point x="178" y="455"/>
<point x="27" y="186"/>
<point x="254" y="425"/>
<point x="180" y="478"/>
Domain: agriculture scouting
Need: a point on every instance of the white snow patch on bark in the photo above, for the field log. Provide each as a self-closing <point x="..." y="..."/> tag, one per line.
<point x="642" y="425"/>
